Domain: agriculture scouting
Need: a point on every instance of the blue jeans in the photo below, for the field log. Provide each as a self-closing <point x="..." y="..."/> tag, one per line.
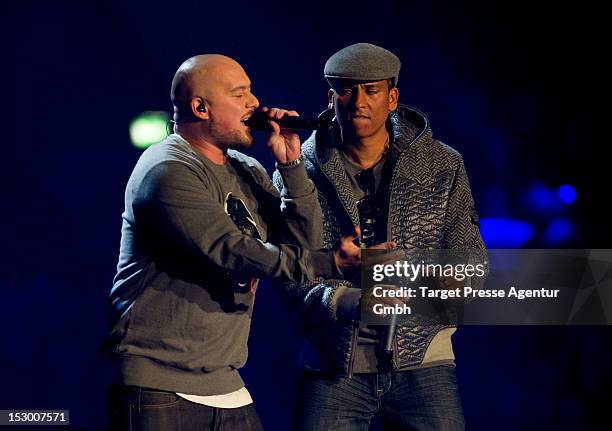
<point x="422" y="399"/>
<point x="139" y="409"/>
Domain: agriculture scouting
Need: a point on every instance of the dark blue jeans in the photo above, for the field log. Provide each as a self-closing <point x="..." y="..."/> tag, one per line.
<point x="422" y="399"/>
<point x="139" y="409"/>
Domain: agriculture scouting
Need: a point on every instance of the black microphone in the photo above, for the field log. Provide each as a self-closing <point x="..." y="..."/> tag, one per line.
<point x="386" y="341"/>
<point x="261" y="121"/>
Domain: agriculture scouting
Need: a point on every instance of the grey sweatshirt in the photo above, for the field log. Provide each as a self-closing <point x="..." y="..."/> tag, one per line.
<point x="180" y="320"/>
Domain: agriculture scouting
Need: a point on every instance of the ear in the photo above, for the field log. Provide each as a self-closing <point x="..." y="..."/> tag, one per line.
<point x="199" y="108"/>
<point x="393" y="99"/>
<point x="330" y="98"/>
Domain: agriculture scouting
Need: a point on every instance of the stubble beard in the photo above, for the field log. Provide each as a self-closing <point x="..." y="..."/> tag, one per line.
<point x="231" y="138"/>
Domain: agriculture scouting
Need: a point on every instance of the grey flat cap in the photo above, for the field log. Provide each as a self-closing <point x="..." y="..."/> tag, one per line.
<point x="362" y="62"/>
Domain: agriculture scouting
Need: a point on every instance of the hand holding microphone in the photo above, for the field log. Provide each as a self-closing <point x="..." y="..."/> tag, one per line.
<point x="283" y="143"/>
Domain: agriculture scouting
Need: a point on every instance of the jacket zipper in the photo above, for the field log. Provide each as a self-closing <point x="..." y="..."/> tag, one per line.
<point x="396" y="361"/>
<point x="352" y="355"/>
<point x="395" y="351"/>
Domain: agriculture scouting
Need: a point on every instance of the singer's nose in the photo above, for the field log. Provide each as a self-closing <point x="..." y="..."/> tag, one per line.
<point x="359" y="97"/>
<point x="253" y="102"/>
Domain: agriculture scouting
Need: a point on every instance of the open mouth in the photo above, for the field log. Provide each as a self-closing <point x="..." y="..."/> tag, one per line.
<point x="246" y="117"/>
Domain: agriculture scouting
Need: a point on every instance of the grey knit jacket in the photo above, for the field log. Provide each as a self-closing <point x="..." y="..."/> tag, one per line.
<point x="430" y="206"/>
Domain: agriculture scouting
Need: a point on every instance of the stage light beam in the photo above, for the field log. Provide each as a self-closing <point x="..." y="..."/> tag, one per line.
<point x="148" y="128"/>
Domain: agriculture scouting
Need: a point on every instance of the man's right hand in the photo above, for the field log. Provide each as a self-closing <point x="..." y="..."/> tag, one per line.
<point x="348" y="255"/>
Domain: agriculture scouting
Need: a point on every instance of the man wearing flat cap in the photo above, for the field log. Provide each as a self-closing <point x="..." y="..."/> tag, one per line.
<point x="378" y="166"/>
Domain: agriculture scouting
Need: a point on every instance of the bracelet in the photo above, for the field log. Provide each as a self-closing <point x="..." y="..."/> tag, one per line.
<point x="290" y="164"/>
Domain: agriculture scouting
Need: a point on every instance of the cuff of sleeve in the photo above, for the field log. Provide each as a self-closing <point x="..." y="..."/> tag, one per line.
<point x="347" y="303"/>
<point x="295" y="181"/>
<point x="323" y="264"/>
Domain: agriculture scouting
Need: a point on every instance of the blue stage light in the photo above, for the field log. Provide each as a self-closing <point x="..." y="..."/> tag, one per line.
<point x="558" y="231"/>
<point x="505" y="232"/>
<point x="543" y="199"/>
<point x="567" y="194"/>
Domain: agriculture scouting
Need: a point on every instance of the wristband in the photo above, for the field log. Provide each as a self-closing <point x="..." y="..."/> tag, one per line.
<point x="290" y="164"/>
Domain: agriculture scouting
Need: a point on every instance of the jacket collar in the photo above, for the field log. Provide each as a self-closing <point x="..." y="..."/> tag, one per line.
<point x="406" y="125"/>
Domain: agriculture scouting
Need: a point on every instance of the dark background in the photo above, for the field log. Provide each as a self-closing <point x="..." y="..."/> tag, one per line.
<point x="514" y="87"/>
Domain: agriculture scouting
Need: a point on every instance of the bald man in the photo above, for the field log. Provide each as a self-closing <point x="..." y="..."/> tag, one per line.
<point x="202" y="224"/>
